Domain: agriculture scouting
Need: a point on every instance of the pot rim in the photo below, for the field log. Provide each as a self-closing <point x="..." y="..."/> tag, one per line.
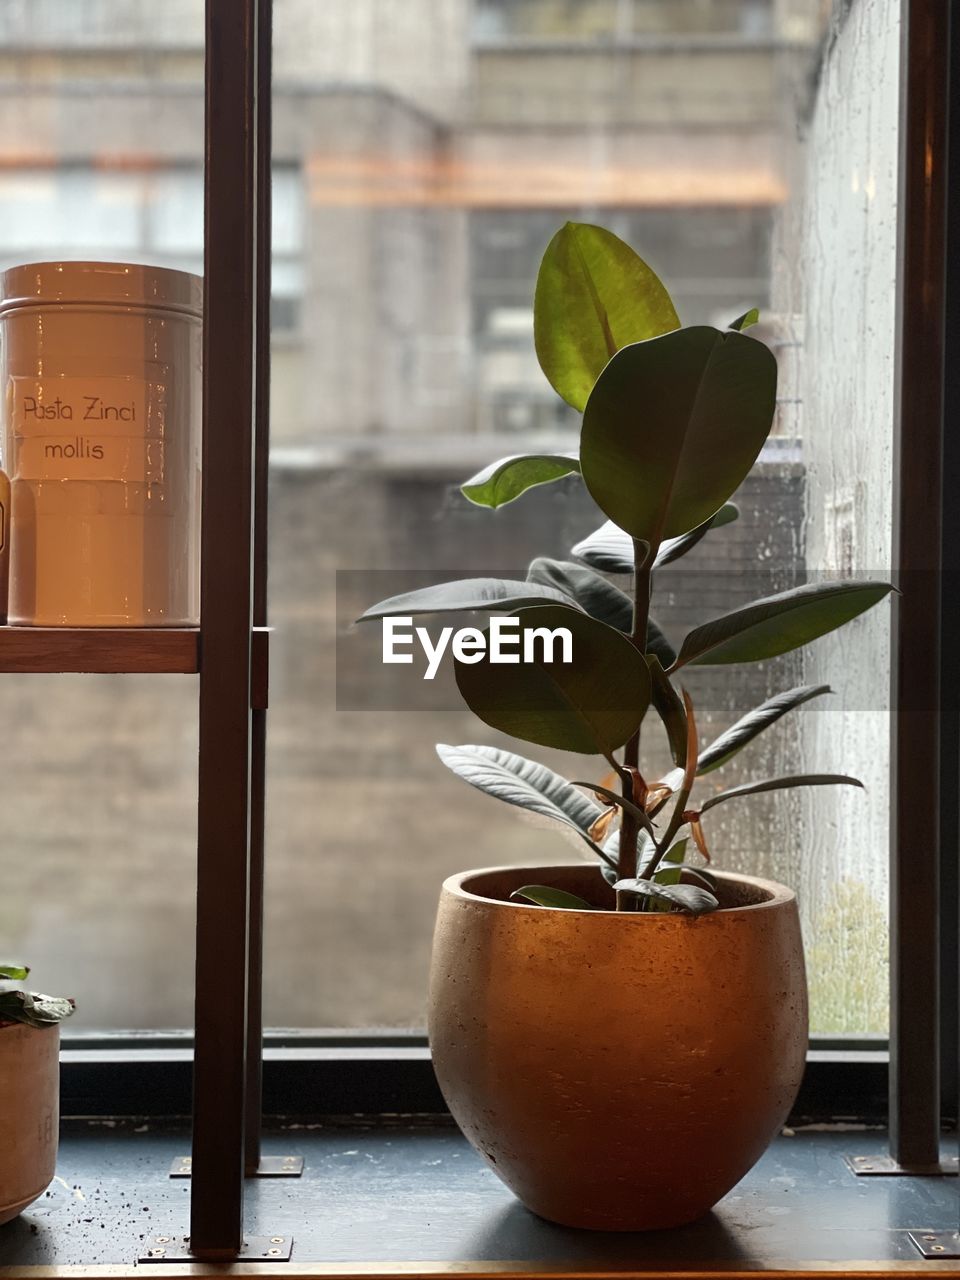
<point x="780" y="894"/>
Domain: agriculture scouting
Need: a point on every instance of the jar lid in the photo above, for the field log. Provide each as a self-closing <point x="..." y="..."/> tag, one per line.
<point x="100" y="283"/>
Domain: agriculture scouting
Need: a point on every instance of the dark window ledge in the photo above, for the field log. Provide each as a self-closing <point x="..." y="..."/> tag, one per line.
<point x="410" y="1198"/>
<point x="369" y="1073"/>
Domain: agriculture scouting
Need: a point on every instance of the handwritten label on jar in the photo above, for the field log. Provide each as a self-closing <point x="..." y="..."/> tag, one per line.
<point x="87" y="429"/>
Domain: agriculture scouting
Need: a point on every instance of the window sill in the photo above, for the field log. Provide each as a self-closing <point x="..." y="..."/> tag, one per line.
<point x="408" y="1197"/>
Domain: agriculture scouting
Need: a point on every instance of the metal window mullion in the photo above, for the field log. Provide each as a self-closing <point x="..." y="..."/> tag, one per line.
<point x="223" y="835"/>
<point x="254" y="1048"/>
<point x="915" y="691"/>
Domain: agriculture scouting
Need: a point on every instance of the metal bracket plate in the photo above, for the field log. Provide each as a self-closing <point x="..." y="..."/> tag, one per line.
<point x="270" y="1167"/>
<point x="887" y="1167"/>
<point x="936" y="1244"/>
<point x="253" y="1249"/>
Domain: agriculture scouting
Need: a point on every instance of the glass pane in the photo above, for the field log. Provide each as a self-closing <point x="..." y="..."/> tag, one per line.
<point x="748" y="151"/>
<point x="425" y="153"/>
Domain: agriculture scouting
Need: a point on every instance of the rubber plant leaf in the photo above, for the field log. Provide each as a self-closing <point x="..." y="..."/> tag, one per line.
<point x="779" y="623"/>
<point x="594" y="295"/>
<point x="674" y="548"/>
<point x="525" y="783"/>
<point x="781" y="784"/>
<point x="591" y="704"/>
<point x="503" y="481"/>
<point x="753" y="723"/>
<point x="543" y="896"/>
<point x="669" y="707"/>
<point x="497" y="595"/>
<point x="610" y="550"/>
<point x="673" y="426"/>
<point x="13" y="973"/>
<point x="689" y="898"/>
<point x="594" y="594"/>
<point x="748" y="318"/>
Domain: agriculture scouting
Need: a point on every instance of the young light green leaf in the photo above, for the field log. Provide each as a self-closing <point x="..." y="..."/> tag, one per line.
<point x="779" y="623"/>
<point x="542" y="895"/>
<point x="669" y="707"/>
<point x="673" y="426"/>
<point x="496" y="595"/>
<point x="594" y="295"/>
<point x="503" y="481"/>
<point x="670" y="871"/>
<point x="689" y="898"/>
<point x="13" y="973"/>
<point x="753" y="723"/>
<point x="595" y="595"/>
<point x="781" y="784"/>
<point x="524" y="783"/>
<point x="746" y="320"/>
<point x="591" y="704"/>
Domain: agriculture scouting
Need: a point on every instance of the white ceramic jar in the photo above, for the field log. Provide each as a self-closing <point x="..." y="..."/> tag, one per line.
<point x="100" y="363"/>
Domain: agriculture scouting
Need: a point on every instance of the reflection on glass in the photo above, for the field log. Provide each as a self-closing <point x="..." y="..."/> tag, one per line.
<point x="425" y="153"/>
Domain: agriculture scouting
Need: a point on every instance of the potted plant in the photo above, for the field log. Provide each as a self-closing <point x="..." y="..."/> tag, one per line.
<point x="30" y="1090"/>
<point x="621" y="1039"/>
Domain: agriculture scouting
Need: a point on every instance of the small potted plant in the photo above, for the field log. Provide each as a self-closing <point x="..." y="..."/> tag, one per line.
<point x="29" y="1090"/>
<point x="621" y="1038"/>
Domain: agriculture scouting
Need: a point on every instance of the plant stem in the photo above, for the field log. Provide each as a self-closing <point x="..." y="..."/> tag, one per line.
<point x="629" y="828"/>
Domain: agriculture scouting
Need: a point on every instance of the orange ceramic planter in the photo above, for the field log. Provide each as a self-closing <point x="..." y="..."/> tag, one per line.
<point x="618" y="1071"/>
<point x="29" y="1121"/>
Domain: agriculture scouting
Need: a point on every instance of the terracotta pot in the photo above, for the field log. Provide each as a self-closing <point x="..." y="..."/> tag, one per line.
<point x="618" y="1071"/>
<point x="29" y="1114"/>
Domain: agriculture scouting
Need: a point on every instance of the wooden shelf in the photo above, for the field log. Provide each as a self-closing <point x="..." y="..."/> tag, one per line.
<point x="88" y="649"/>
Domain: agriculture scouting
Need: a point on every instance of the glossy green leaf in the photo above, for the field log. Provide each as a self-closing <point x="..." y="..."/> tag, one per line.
<point x="674" y="548"/>
<point x="590" y="705"/>
<point x="673" y="426"/>
<point x="748" y="318"/>
<point x="671" y="866"/>
<point x="543" y="896"/>
<point x="13" y="973"/>
<point x="497" y="595"/>
<point x="669" y="707"/>
<point x="503" y="481"/>
<point x="594" y="295"/>
<point x="658" y="644"/>
<point x="753" y="723"/>
<point x="610" y="550"/>
<point x="34" y="1009"/>
<point x="689" y="898"/>
<point x="594" y="594"/>
<point x="524" y="783"/>
<point x="781" y="784"/>
<point x="779" y="623"/>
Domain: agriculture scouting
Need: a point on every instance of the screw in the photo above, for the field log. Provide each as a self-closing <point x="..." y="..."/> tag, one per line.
<point x="163" y="1239"/>
<point x="938" y="1248"/>
<point x="273" y="1252"/>
<point x="929" y="1237"/>
<point x="157" y="1253"/>
<point x="276" y="1239"/>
